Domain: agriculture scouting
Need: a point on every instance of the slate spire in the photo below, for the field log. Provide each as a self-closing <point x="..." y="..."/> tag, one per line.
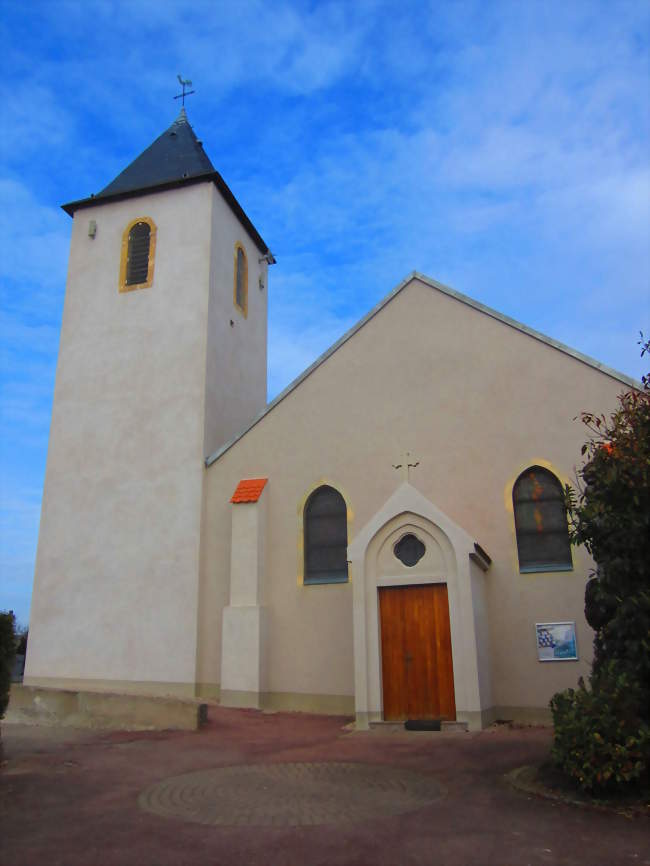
<point x="174" y="159"/>
<point x="176" y="155"/>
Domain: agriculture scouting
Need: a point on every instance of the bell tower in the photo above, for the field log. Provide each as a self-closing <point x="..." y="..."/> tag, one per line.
<point x="162" y="359"/>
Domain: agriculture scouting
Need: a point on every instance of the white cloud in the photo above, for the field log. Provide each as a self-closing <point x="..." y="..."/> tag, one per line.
<point x="35" y="239"/>
<point x="292" y="350"/>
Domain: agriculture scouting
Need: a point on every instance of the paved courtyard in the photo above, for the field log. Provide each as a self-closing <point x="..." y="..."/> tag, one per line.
<point x="291" y="790"/>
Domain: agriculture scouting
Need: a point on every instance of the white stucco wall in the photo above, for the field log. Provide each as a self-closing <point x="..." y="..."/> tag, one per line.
<point x="116" y="584"/>
<point x="236" y="351"/>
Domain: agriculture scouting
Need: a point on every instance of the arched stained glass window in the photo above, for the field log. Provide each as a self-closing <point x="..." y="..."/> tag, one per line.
<point x="326" y="537"/>
<point x="241" y="279"/>
<point x="541" y="522"/>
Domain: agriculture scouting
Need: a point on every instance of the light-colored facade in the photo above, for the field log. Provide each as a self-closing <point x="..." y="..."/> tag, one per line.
<point x="150" y="580"/>
<point x="475" y="400"/>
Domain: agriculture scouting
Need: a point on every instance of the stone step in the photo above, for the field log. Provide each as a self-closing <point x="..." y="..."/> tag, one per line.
<point x="395" y="727"/>
<point x="455" y="726"/>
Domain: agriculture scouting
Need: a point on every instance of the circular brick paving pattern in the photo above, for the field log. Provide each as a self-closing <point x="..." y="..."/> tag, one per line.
<point x="287" y="795"/>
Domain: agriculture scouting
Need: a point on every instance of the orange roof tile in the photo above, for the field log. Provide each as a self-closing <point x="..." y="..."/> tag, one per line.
<point x="249" y="490"/>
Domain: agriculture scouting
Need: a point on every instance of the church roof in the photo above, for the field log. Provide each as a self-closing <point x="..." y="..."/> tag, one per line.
<point x="175" y="158"/>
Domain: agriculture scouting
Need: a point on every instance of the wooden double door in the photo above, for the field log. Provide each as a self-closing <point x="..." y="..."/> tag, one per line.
<point x="417" y="669"/>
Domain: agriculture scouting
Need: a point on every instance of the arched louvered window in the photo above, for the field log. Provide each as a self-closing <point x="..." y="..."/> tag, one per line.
<point x="541" y="522"/>
<point x="138" y="247"/>
<point x="241" y="279"/>
<point x="137" y="262"/>
<point x="326" y="537"/>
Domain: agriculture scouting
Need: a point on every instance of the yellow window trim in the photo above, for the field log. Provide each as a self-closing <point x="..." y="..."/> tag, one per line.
<point x="125" y="253"/>
<point x="243" y="309"/>
<point x="508" y="491"/>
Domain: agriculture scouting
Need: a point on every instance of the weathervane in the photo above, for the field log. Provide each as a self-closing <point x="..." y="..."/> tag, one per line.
<point x="184" y="84"/>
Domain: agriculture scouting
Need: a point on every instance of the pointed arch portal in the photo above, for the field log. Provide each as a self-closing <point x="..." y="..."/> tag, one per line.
<point x="420" y="619"/>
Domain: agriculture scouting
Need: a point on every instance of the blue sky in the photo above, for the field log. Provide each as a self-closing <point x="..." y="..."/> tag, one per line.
<point x="502" y="148"/>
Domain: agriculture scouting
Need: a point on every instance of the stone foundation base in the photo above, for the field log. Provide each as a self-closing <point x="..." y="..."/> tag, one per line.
<point x="83" y="709"/>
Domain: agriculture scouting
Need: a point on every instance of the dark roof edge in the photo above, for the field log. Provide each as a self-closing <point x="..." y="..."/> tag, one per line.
<point x="446" y="290"/>
<point x="212" y="176"/>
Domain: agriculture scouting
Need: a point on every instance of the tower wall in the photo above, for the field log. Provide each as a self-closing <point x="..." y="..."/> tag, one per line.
<point x="236" y="347"/>
<point x="116" y="581"/>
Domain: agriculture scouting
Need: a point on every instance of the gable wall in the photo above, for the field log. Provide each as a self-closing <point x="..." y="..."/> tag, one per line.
<point x="476" y="401"/>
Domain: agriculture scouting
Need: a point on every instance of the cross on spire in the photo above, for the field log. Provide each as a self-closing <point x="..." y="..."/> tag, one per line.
<point x="407" y="462"/>
<point x="184" y="83"/>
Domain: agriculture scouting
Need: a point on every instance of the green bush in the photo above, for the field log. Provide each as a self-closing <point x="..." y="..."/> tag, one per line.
<point x="602" y="733"/>
<point x="22" y="635"/>
<point x="600" y="740"/>
<point x="7" y="653"/>
<point x="610" y="515"/>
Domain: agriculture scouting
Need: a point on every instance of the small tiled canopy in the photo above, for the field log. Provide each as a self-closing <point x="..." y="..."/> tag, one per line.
<point x="249" y="490"/>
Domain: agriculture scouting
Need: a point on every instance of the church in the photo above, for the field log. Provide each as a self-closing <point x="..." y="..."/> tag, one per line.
<point x="386" y="539"/>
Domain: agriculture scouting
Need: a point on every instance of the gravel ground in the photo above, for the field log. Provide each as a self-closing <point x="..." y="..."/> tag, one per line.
<point x="291" y="789"/>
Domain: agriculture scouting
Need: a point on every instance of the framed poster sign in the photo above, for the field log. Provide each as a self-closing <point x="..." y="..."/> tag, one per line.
<point x="556" y="641"/>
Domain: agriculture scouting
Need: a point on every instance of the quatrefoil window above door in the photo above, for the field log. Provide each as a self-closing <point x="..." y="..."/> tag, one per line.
<point x="409" y="550"/>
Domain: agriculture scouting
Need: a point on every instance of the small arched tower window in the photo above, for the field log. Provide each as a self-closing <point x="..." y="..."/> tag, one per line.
<point x="326" y="537"/>
<point x="541" y="522"/>
<point x="138" y="248"/>
<point x="240" y="295"/>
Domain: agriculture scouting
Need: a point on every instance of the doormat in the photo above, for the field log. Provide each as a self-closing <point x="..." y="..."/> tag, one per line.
<point x="422" y="724"/>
